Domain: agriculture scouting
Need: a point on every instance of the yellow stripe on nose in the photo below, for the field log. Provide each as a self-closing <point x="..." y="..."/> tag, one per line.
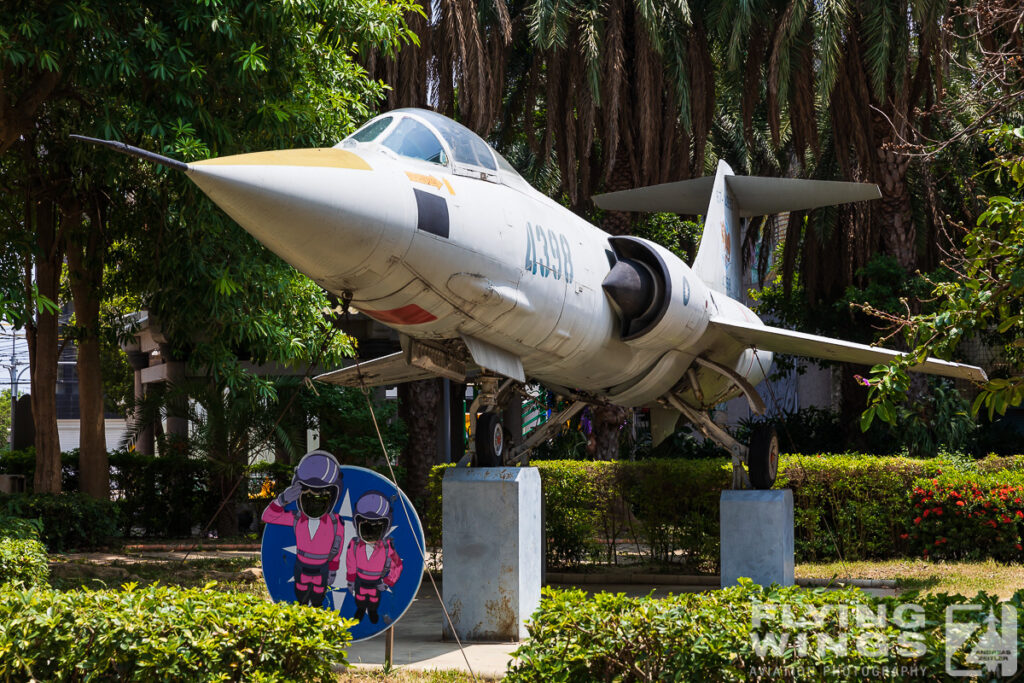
<point x="326" y="157"/>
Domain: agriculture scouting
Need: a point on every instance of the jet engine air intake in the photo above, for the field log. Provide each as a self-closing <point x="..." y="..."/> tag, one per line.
<point x="636" y="291"/>
<point x="647" y="282"/>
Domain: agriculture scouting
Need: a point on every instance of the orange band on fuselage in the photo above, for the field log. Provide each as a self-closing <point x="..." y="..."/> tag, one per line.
<point x="406" y="315"/>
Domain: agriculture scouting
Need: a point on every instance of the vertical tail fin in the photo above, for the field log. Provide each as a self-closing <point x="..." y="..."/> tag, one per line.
<point x="719" y="262"/>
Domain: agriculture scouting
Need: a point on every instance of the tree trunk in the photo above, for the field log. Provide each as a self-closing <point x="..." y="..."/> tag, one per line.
<point x="898" y="229"/>
<point x="227" y="470"/>
<point x="419" y="404"/>
<point x="86" y="269"/>
<point x="43" y="344"/>
<point x="607" y="424"/>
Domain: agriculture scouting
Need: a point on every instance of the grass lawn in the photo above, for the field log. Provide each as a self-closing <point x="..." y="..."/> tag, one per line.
<point x="966" y="578"/>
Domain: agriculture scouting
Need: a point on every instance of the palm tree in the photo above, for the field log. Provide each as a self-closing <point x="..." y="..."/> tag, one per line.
<point x="852" y="82"/>
<point x="611" y="93"/>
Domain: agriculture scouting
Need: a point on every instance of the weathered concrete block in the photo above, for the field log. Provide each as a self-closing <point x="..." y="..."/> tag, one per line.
<point x="757" y="536"/>
<point x="492" y="545"/>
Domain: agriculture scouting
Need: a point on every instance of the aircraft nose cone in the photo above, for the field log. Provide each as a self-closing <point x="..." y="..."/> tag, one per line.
<point x="630" y="285"/>
<point x="324" y="211"/>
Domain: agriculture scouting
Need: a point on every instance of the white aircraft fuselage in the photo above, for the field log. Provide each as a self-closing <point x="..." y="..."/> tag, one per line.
<point x="441" y="252"/>
<point x="416" y="222"/>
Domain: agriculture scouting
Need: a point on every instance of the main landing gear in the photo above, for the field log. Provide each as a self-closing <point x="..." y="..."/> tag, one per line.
<point x="490" y="444"/>
<point x="761" y="456"/>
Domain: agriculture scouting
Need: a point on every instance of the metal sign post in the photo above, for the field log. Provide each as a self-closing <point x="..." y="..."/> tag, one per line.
<point x="389" y="648"/>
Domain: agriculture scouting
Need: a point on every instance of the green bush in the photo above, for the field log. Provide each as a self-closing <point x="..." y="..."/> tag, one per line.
<point x="167" y="634"/>
<point x="23" y="462"/>
<point x="675" y="507"/>
<point x="68" y="520"/>
<point x="23" y="560"/>
<point x="852" y="506"/>
<point x="162" y="495"/>
<point x="848" y="506"/>
<point x="737" y="634"/>
<point x="19" y="528"/>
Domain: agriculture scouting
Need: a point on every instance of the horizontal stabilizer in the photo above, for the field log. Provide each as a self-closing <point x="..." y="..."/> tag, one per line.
<point x="379" y="372"/>
<point x="778" y="340"/>
<point x="755" y="195"/>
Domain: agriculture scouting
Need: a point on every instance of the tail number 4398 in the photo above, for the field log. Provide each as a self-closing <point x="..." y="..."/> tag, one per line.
<point x="548" y="253"/>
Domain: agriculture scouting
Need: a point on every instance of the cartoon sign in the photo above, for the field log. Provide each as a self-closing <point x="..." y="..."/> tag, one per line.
<point x="343" y="538"/>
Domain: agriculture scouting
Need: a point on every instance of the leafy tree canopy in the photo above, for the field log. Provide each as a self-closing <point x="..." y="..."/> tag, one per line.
<point x="985" y="298"/>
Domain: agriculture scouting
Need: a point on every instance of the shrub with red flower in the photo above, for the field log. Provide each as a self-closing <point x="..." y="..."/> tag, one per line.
<point x="969" y="515"/>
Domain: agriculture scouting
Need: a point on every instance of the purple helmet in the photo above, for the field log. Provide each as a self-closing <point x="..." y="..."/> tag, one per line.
<point x="373" y="516"/>
<point x="319" y="471"/>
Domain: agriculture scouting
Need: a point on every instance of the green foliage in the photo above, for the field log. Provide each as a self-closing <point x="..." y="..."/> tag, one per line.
<point x="674" y="507"/>
<point x="984" y="299"/>
<point x="22" y="557"/>
<point x="885" y="287"/>
<point x="969" y="515"/>
<point x="851" y="506"/>
<point x="160" y="496"/>
<point x="5" y="417"/>
<point x="679" y="236"/>
<point x="938" y="419"/>
<point x="23" y="462"/>
<point x="165" y="633"/>
<point x="346" y="426"/>
<point x="23" y="561"/>
<point x="845" y="506"/>
<point x="726" y="635"/>
<point x="571" y="499"/>
<point x="69" y="520"/>
<point x="20" y="528"/>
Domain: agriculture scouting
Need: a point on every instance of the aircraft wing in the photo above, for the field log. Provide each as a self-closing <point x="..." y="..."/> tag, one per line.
<point x="778" y="340"/>
<point x="383" y="371"/>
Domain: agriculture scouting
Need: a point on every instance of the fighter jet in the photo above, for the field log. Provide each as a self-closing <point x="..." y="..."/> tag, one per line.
<point x="417" y="222"/>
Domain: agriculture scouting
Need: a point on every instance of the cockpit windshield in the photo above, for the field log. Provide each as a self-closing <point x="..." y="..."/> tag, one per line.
<point x="370" y="131"/>
<point x="410" y="138"/>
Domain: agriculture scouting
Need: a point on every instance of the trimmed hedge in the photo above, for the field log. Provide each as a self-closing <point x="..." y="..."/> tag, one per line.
<point x="737" y="634"/>
<point x="67" y="520"/>
<point x="144" y="488"/>
<point x="849" y="506"/>
<point x="165" y="633"/>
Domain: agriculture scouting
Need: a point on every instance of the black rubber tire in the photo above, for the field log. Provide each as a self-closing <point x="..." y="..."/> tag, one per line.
<point x="490" y="440"/>
<point x="763" y="459"/>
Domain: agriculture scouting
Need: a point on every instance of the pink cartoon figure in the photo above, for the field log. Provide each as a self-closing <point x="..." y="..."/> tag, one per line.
<point x="319" y="531"/>
<point x="371" y="563"/>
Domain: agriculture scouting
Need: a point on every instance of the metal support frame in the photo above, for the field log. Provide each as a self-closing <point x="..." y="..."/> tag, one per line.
<point x="710" y="430"/>
<point x="521" y="452"/>
<point x="753" y="398"/>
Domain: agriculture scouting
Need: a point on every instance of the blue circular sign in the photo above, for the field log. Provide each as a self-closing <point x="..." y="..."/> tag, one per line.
<point x="343" y="538"/>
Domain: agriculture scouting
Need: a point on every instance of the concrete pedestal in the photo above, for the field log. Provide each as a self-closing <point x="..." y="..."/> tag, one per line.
<point x="757" y="536"/>
<point x="492" y="544"/>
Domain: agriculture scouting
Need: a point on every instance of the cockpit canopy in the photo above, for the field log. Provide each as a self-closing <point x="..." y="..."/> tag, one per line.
<point x="428" y="136"/>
